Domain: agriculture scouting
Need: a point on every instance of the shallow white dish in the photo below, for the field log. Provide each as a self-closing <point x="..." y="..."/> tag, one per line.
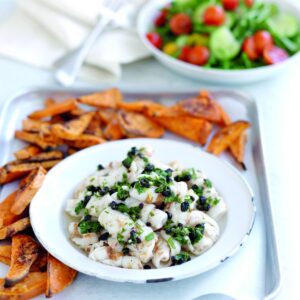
<point x="49" y="220"/>
<point x="145" y="24"/>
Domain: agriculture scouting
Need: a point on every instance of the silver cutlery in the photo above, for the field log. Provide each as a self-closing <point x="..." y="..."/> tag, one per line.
<point x="67" y="67"/>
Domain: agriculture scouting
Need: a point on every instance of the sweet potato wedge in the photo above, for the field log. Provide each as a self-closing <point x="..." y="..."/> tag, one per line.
<point x="40" y="265"/>
<point x="106" y="115"/>
<point x="28" y="190"/>
<point x="194" y="129"/>
<point x="107" y="99"/>
<point x="44" y="156"/>
<point x="237" y="148"/>
<point x="24" y="252"/>
<point x="84" y="141"/>
<point x="54" y="109"/>
<point x="45" y="142"/>
<point x="6" y="216"/>
<point x="146" y="107"/>
<point x="27" y="152"/>
<point x="113" y="130"/>
<point x="5" y="254"/>
<point x="72" y="129"/>
<point x="31" y="286"/>
<point x="226" y="136"/>
<point x="71" y="151"/>
<point x="59" y="276"/>
<point x="137" y="125"/>
<point x="14" y="228"/>
<point x="225" y="119"/>
<point x="36" y="126"/>
<point x="94" y="127"/>
<point x="49" y="102"/>
<point x="17" y="169"/>
<point x="200" y="107"/>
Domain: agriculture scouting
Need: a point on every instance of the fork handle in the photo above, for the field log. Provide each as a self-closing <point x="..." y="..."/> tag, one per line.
<point x="68" y="67"/>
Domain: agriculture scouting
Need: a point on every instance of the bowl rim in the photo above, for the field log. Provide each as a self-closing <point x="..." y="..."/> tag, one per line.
<point x="200" y="69"/>
<point x="152" y="277"/>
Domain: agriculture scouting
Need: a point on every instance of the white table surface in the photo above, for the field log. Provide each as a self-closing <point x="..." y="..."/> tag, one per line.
<point x="278" y="101"/>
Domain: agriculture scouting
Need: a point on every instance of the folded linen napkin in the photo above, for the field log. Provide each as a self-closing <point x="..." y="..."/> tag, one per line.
<point x="41" y="31"/>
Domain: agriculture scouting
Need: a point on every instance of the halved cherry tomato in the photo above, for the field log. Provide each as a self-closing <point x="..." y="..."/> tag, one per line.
<point x="249" y="3"/>
<point x="181" y="24"/>
<point x="230" y="4"/>
<point x="263" y="39"/>
<point x="198" y="55"/>
<point x="155" y="39"/>
<point x="250" y="49"/>
<point x="161" y="19"/>
<point x="214" y="15"/>
<point x="274" y="55"/>
<point x="184" y="53"/>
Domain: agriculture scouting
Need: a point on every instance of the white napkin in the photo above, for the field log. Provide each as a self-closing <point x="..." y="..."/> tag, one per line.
<point x="41" y="31"/>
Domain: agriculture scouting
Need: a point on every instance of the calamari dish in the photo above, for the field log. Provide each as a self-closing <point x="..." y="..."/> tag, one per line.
<point x="140" y="213"/>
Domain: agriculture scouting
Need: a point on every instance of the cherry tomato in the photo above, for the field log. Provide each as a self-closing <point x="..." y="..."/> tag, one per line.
<point x="274" y="55"/>
<point x="262" y="40"/>
<point x="155" y="39"/>
<point x="198" y="55"/>
<point x="214" y="15"/>
<point x="181" y="24"/>
<point x="230" y="4"/>
<point x="250" y="49"/>
<point x="249" y="3"/>
<point x="184" y="53"/>
<point x="161" y="19"/>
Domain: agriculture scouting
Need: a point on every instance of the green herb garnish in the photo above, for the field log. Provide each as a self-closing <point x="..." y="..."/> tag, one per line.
<point x="149" y="237"/>
<point x="89" y="226"/>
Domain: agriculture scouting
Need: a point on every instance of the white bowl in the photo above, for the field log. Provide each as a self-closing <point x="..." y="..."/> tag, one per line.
<point x="145" y="24"/>
<point x="49" y="220"/>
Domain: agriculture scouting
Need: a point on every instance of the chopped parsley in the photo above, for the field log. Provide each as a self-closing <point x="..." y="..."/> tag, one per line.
<point x="186" y="175"/>
<point x="89" y="226"/>
<point x="149" y="237"/>
<point x="132" y="153"/>
<point x="121" y="188"/>
<point x="171" y="243"/>
<point x="172" y="198"/>
<point x="79" y="207"/>
<point x="207" y="183"/>
<point x="183" y="234"/>
<point x="133" y="212"/>
<point x="120" y="239"/>
<point x="198" y="190"/>
<point x="180" y="258"/>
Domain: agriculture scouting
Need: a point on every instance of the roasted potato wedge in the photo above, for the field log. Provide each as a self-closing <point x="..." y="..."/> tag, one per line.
<point x="200" y="107"/>
<point x="194" y="129"/>
<point x="59" y="276"/>
<point x="27" y="152"/>
<point x="94" y="127"/>
<point x="226" y="136"/>
<point x="237" y="148"/>
<point x="6" y="216"/>
<point x="45" y="141"/>
<point x="137" y="125"/>
<point x="5" y="254"/>
<point x="106" y="115"/>
<point x="113" y="130"/>
<point x="36" y="126"/>
<point x="14" y="228"/>
<point x="85" y="140"/>
<point x="55" y="109"/>
<point x="72" y="129"/>
<point x="107" y="99"/>
<point x="28" y="190"/>
<point x="44" y="156"/>
<point x="24" y="252"/>
<point x="31" y="286"/>
<point x="225" y="119"/>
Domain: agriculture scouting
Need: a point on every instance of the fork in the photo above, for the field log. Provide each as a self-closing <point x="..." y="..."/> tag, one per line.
<point x="67" y="67"/>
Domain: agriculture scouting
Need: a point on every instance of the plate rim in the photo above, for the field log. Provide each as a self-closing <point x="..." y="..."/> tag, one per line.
<point x="180" y="275"/>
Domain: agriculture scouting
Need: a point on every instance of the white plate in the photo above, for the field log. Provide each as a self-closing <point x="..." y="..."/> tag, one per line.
<point x="145" y="24"/>
<point x="49" y="220"/>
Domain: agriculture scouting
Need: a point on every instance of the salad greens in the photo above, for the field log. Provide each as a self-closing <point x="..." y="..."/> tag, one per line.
<point x="226" y="34"/>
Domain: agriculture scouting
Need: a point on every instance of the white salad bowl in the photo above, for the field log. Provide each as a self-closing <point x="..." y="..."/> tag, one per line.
<point x="145" y="24"/>
<point x="50" y="222"/>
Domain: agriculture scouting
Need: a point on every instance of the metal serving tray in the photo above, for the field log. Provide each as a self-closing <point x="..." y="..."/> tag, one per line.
<point x="253" y="273"/>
